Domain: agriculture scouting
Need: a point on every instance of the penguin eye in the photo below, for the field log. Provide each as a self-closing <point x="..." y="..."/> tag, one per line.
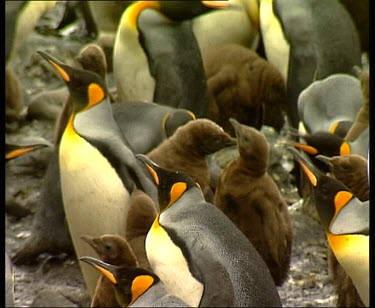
<point x="108" y="247"/>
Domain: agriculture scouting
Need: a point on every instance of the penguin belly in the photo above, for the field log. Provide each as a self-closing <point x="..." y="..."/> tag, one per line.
<point x="95" y="199"/>
<point x="169" y="263"/>
<point x="352" y="251"/>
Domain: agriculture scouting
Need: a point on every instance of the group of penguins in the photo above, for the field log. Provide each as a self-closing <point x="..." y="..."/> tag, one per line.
<point x="129" y="180"/>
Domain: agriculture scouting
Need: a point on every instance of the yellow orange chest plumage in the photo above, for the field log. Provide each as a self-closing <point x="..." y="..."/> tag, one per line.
<point x="94" y="196"/>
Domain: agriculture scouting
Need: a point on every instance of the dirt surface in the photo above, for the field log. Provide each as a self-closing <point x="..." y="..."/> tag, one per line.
<point x="56" y="280"/>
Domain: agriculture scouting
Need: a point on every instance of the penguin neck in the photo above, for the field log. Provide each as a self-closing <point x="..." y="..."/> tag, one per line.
<point x="254" y="167"/>
<point x="132" y="13"/>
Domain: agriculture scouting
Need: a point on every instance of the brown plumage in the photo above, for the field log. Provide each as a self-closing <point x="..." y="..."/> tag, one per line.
<point x="351" y="170"/>
<point x="186" y="149"/>
<point x="244" y="86"/>
<point x="115" y="250"/>
<point x="247" y="194"/>
<point x="141" y="215"/>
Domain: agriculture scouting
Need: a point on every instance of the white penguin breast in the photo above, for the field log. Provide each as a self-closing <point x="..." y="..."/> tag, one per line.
<point x="169" y="263"/>
<point x="93" y="194"/>
<point x="352" y="251"/>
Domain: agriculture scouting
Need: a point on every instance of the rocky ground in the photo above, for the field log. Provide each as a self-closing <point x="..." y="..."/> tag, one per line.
<point x="56" y="281"/>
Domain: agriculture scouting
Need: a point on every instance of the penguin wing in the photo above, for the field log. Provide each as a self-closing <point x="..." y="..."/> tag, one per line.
<point x="175" y="63"/>
<point x="109" y="140"/>
<point x="354" y="218"/>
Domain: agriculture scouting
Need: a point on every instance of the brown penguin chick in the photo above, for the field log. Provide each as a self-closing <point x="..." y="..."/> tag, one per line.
<point x="361" y="121"/>
<point x="141" y="215"/>
<point x="244" y="86"/>
<point x="115" y="250"/>
<point x="351" y="170"/>
<point x="93" y="58"/>
<point x="186" y="149"/>
<point x="248" y="195"/>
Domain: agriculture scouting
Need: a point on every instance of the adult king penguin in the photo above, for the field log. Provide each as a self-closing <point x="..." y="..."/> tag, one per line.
<point x="346" y="221"/>
<point x="148" y="47"/>
<point x="308" y="40"/>
<point x="215" y="262"/>
<point x="97" y="168"/>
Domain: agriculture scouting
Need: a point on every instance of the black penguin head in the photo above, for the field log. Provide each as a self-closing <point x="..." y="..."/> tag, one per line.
<point x="341" y="128"/>
<point x="330" y="194"/>
<point x="324" y="143"/>
<point x="86" y="88"/>
<point x="174" y="119"/>
<point x="130" y="282"/>
<point x="171" y="184"/>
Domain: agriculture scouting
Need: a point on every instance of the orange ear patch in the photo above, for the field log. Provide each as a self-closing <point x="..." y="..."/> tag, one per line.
<point x="341" y="199"/>
<point x="64" y="75"/>
<point x="106" y="273"/>
<point x="334" y="127"/>
<point x="95" y="94"/>
<point x="311" y="176"/>
<point x="140" y="285"/>
<point x="134" y="10"/>
<point x="345" y="148"/>
<point x="306" y="148"/>
<point x="176" y="191"/>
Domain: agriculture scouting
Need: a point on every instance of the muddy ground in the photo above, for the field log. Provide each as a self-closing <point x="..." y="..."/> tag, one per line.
<point x="56" y="280"/>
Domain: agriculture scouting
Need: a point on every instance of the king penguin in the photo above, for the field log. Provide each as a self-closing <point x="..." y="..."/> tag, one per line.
<point x="135" y="287"/>
<point x="137" y="68"/>
<point x="308" y="40"/>
<point x="217" y="265"/>
<point x="249" y="196"/>
<point x="346" y="221"/>
<point x="97" y="168"/>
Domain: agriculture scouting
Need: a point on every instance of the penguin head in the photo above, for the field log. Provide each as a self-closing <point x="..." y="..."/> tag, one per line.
<point x="330" y="194"/>
<point x="111" y="248"/>
<point x="184" y="10"/>
<point x="171" y="184"/>
<point x="324" y="143"/>
<point x="92" y="57"/>
<point x="130" y="282"/>
<point x="86" y="88"/>
<point x="203" y="137"/>
<point x="252" y="144"/>
<point x="176" y="11"/>
<point x="174" y="119"/>
<point x="341" y="128"/>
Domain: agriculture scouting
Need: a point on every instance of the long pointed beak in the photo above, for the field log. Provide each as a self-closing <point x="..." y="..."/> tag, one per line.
<point x="58" y="66"/>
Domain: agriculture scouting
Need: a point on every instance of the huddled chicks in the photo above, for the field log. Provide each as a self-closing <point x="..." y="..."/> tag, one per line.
<point x="154" y="215"/>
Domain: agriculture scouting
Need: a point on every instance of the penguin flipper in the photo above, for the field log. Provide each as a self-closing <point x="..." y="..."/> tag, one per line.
<point x="354" y="218"/>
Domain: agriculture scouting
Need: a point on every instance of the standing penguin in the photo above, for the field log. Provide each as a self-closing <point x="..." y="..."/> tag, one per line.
<point x="135" y="286"/>
<point x="187" y="148"/>
<point x="158" y="60"/>
<point x="248" y="195"/>
<point x="351" y="170"/>
<point x="217" y="265"/>
<point x="115" y="250"/>
<point x="97" y="168"/>
<point x="346" y="221"/>
<point x="308" y="40"/>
